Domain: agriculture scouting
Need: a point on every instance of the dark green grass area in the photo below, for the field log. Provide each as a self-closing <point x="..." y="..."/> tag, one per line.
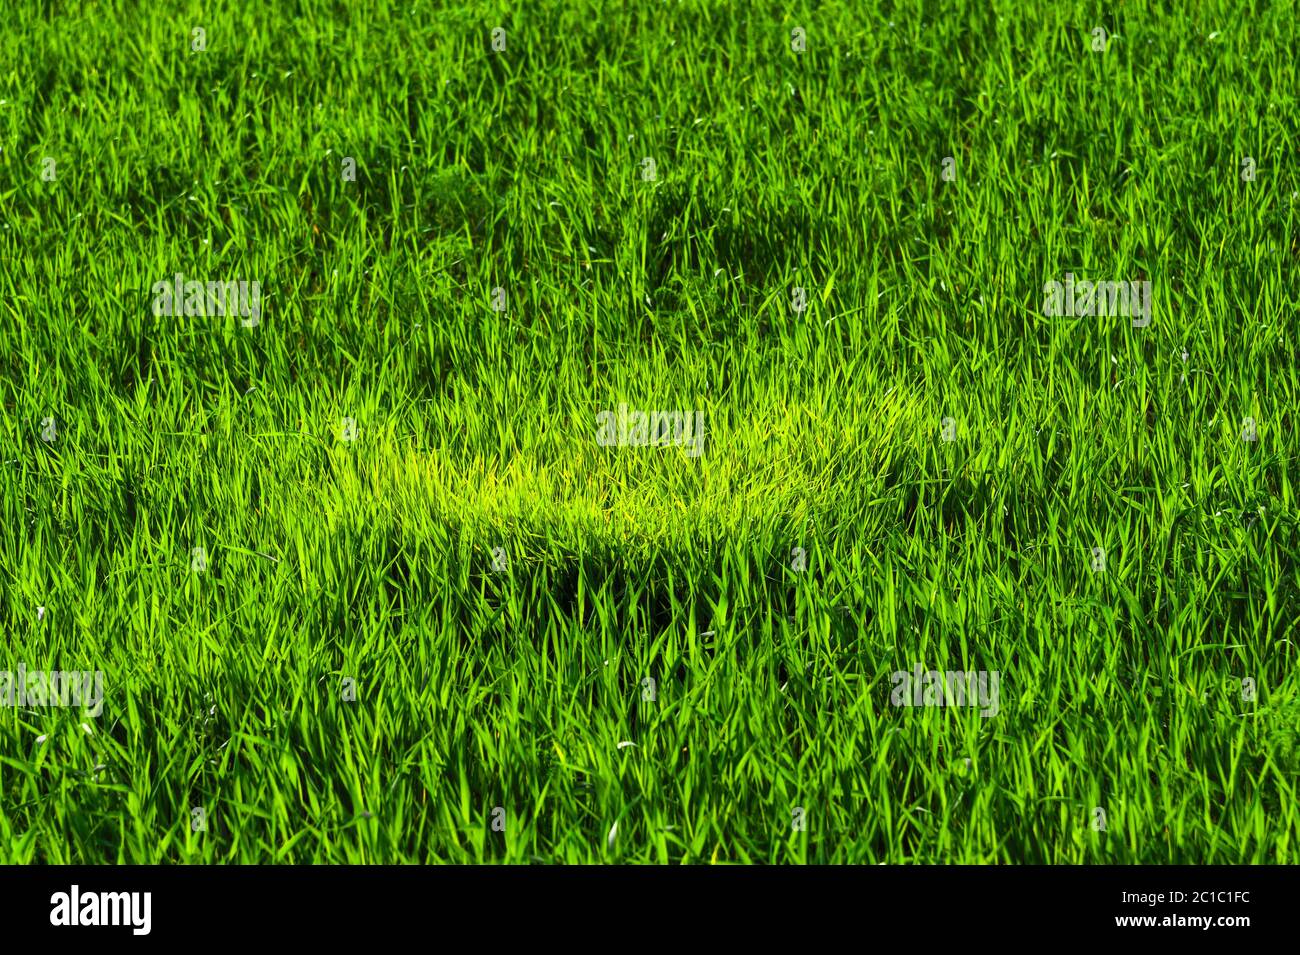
<point x="436" y="642"/>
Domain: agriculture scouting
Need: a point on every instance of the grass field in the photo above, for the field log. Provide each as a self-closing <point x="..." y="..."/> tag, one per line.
<point x="366" y="584"/>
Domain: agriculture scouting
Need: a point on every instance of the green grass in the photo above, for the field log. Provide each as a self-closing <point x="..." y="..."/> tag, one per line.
<point x="372" y="560"/>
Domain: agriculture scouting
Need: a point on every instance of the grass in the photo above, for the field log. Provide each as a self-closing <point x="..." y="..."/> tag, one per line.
<point x="350" y="678"/>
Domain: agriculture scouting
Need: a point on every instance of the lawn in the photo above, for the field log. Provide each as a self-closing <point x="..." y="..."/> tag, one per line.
<point x="378" y="563"/>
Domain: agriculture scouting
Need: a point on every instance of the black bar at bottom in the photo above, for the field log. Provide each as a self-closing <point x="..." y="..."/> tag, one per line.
<point x="338" y="905"/>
